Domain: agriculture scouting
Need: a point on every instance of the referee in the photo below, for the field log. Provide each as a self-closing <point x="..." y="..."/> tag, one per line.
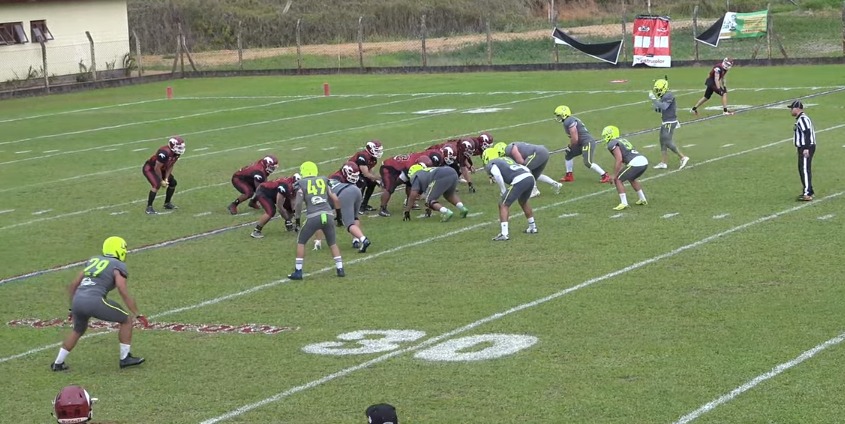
<point x="805" y="141"/>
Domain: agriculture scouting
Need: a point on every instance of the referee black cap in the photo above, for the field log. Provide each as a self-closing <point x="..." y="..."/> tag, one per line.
<point x="796" y="104"/>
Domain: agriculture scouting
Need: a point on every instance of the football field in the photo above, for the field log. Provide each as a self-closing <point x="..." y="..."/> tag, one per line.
<point x="718" y="302"/>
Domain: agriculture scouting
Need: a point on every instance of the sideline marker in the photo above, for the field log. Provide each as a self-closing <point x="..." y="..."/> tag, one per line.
<point x="325" y="89"/>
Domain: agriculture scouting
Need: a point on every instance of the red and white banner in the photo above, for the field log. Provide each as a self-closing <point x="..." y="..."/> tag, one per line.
<point x="651" y="41"/>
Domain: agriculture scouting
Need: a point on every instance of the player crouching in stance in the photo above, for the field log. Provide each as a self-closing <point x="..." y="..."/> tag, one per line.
<point x="158" y="170"/>
<point x="88" y="300"/>
<point x="515" y="183"/>
<point x="434" y="182"/>
<point x="630" y="165"/>
<point x="344" y="185"/>
<point x="313" y="192"/>
<point x="276" y="195"/>
<point x="581" y="143"/>
<point x="534" y="157"/>
<point x="247" y="179"/>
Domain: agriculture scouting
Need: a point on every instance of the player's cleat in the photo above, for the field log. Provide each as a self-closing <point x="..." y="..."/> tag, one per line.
<point x="464" y="212"/>
<point x="568" y="178"/>
<point x="58" y="367"/>
<point x="728" y="112"/>
<point x="341" y="272"/>
<point x="233" y="208"/>
<point x="253" y="204"/>
<point x="256" y="234"/>
<point x="130" y="361"/>
<point x="530" y="230"/>
<point x="642" y="202"/>
<point x="364" y="246"/>
<point x="367" y="208"/>
<point x="605" y="178"/>
<point x="356" y="244"/>
<point x="557" y="187"/>
<point x="805" y="198"/>
<point x="296" y="275"/>
<point x="621" y="206"/>
<point x="694" y="111"/>
<point x="684" y="161"/>
<point x="535" y="192"/>
<point x="151" y="211"/>
<point x="661" y="165"/>
<point x="446" y="215"/>
<point x="383" y="212"/>
<point x="170" y="206"/>
<point x="500" y="237"/>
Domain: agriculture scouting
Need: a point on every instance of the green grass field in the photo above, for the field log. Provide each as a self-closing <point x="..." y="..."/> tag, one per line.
<point x="643" y="316"/>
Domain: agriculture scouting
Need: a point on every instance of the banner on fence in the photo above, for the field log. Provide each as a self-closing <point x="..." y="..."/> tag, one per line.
<point x="652" y="41"/>
<point x="736" y="25"/>
<point x="608" y="52"/>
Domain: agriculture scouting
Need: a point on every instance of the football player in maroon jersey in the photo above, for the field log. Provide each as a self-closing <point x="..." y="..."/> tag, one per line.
<point x="394" y="172"/>
<point x="275" y="196"/>
<point x="366" y="160"/>
<point x="247" y="179"/>
<point x="715" y="83"/>
<point x="158" y="170"/>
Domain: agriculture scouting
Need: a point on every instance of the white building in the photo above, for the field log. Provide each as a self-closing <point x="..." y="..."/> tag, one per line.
<point x="62" y="26"/>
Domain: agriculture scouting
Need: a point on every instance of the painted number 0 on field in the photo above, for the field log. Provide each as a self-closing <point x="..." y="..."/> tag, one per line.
<point x="470" y="348"/>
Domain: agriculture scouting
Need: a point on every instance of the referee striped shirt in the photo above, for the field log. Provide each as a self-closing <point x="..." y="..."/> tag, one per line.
<point x="805" y="134"/>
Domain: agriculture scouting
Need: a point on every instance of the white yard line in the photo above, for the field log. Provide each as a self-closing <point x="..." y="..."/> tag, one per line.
<point x="45" y="115"/>
<point x="774" y="372"/>
<point x="151" y="121"/>
<point x="209" y="130"/>
<point x="497" y="316"/>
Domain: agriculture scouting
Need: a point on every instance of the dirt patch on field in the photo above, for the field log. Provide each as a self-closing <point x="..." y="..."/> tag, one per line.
<point x="433" y="45"/>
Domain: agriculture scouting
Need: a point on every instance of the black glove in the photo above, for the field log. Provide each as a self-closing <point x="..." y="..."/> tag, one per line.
<point x="288" y="225"/>
<point x="407" y="216"/>
<point x="427" y="213"/>
<point x="471" y="188"/>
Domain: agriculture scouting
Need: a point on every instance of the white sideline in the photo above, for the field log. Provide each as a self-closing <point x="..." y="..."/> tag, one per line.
<point x="709" y="406"/>
<point x="437" y="339"/>
<point x="375" y="255"/>
<point x="209" y="130"/>
<point x="66" y="112"/>
<point x="183" y="192"/>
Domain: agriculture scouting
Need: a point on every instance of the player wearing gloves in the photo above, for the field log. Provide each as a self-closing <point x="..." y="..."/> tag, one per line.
<point x="515" y="183"/>
<point x="581" y="143"/>
<point x="158" y="170"/>
<point x="716" y="83"/>
<point x="630" y="165"/>
<point x="433" y="183"/>
<point x="88" y="293"/>
<point x="663" y="102"/>
<point x="275" y="196"/>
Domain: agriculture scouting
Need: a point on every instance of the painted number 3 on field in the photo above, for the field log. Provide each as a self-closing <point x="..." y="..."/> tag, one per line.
<point x="469" y="348"/>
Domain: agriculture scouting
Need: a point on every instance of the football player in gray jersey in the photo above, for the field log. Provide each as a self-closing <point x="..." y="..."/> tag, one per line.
<point x="630" y="165"/>
<point x="664" y="103"/>
<point x="515" y="183"/>
<point x="88" y="293"/>
<point x="313" y="192"/>
<point x="534" y="157"/>
<point x="581" y="143"/>
<point x="433" y="183"/>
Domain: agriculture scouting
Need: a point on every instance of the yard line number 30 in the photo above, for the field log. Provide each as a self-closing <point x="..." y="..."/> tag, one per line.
<point x="470" y="348"/>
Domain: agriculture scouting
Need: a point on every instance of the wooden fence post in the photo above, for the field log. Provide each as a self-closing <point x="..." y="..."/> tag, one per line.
<point x="489" y="42"/>
<point x="624" y="36"/>
<point x="93" y="67"/>
<point x="138" y="53"/>
<point x="240" y="49"/>
<point x="361" y="42"/>
<point x="422" y="36"/>
<point x="769" y="31"/>
<point x="178" y="51"/>
<point x="843" y="28"/>
<point x="44" y="66"/>
<point x="695" y="32"/>
<point x="298" y="44"/>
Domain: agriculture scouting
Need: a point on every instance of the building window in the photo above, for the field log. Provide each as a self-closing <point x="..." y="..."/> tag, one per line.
<point x="12" y="33"/>
<point x="40" y="32"/>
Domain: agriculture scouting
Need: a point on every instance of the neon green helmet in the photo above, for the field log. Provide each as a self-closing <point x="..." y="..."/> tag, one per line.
<point x="609" y="133"/>
<point x="308" y="169"/>
<point x="562" y="112"/>
<point x="115" y="247"/>
<point x="417" y="167"/>
<point x="501" y="148"/>
<point x="490" y="154"/>
<point x="660" y="88"/>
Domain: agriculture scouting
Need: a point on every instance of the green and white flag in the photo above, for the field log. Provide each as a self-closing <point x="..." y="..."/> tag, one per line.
<point x="744" y="25"/>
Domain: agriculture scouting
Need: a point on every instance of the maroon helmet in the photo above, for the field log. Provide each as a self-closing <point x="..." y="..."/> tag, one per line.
<point x="73" y="404"/>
